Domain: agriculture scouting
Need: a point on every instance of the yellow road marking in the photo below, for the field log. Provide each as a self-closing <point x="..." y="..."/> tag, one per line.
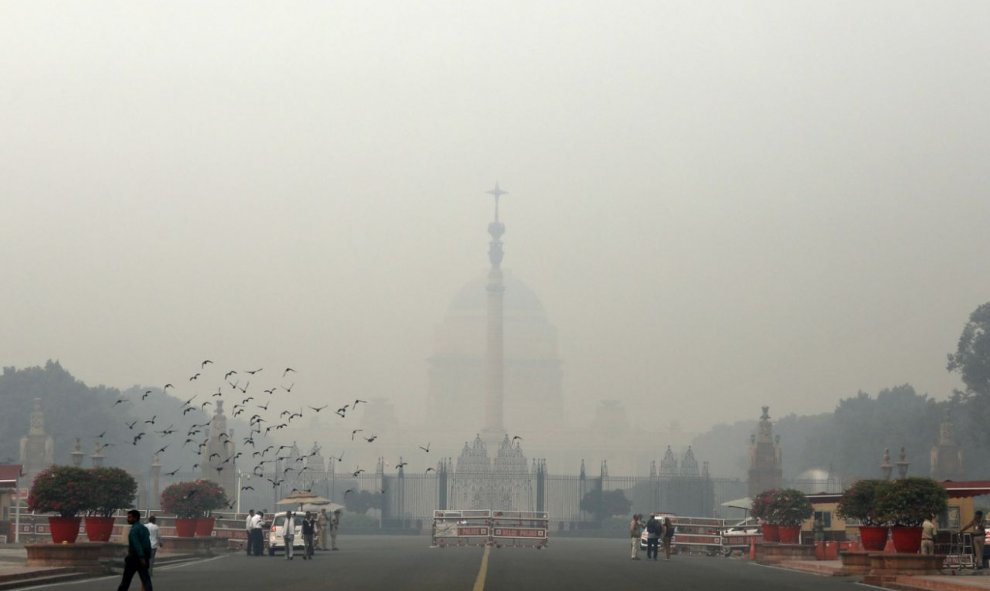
<point x="479" y="583"/>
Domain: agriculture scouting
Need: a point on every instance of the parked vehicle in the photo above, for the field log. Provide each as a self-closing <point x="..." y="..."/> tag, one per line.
<point x="692" y="535"/>
<point x="276" y="541"/>
<point x="739" y="536"/>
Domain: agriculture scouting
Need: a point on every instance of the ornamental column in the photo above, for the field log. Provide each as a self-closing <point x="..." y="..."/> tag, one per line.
<point x="495" y="358"/>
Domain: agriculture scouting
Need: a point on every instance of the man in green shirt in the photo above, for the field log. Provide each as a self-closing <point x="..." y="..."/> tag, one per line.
<point x="138" y="553"/>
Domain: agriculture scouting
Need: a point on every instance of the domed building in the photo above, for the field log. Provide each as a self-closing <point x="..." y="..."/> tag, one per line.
<point x="532" y="367"/>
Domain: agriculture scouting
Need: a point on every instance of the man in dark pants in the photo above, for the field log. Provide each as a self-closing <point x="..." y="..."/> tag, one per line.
<point x="138" y="553"/>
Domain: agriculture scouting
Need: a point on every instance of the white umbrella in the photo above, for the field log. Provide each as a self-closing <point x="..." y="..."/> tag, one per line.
<point x="743" y="503"/>
<point x="329" y="506"/>
<point x="301" y="497"/>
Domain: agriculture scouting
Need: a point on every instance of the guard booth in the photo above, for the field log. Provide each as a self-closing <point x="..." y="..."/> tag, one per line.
<point x="520" y="528"/>
<point x="470" y="527"/>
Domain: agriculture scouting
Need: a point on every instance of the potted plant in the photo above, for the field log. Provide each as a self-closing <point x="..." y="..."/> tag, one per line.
<point x="190" y="501"/>
<point x="65" y="490"/>
<point x="905" y="504"/>
<point x="762" y="509"/>
<point x="859" y="501"/>
<point x="112" y="489"/>
<point x="790" y="507"/>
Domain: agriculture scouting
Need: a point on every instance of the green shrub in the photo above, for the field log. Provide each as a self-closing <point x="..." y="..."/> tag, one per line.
<point x="907" y="502"/>
<point x="65" y="490"/>
<point x="859" y="501"/>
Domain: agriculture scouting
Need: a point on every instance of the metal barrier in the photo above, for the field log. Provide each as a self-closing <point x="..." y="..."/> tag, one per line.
<point x="471" y="527"/>
<point x="520" y="528"/>
<point x="478" y="527"/>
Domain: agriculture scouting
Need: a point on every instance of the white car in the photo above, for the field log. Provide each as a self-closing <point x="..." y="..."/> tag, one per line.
<point x="739" y="536"/>
<point x="276" y="541"/>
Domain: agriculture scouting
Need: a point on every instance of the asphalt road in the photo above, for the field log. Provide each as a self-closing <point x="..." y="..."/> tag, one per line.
<point x="408" y="564"/>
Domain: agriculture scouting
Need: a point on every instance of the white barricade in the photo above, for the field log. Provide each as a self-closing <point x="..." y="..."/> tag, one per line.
<point x="470" y="527"/>
<point x="520" y="528"/>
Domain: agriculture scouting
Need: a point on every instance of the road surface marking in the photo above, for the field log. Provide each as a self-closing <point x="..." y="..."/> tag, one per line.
<point x="479" y="583"/>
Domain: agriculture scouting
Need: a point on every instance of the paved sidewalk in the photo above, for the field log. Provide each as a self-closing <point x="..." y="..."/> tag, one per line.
<point x="964" y="580"/>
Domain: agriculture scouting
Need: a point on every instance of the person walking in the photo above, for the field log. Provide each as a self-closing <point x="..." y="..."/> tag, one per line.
<point x="248" y="532"/>
<point x="334" y="526"/>
<point x="978" y="525"/>
<point x="668" y="536"/>
<point x="289" y="534"/>
<point x="653" y="527"/>
<point x="138" y="553"/>
<point x="155" y="536"/>
<point x="928" y="532"/>
<point x="322" y="522"/>
<point x="255" y="535"/>
<point x="308" y="530"/>
<point x="635" y="529"/>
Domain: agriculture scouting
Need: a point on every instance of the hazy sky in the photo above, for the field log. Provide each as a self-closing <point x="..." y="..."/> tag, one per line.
<point x="721" y="204"/>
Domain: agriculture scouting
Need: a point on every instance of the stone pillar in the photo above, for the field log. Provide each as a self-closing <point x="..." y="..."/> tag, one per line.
<point x="77" y="454"/>
<point x="495" y="356"/>
<point x="156" y="491"/>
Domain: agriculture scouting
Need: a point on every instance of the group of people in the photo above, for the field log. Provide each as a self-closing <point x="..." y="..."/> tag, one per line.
<point x="315" y="527"/>
<point x="657" y="531"/>
<point x="977" y="527"/>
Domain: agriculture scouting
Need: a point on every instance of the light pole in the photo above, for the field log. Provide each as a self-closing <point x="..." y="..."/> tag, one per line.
<point x="246" y="477"/>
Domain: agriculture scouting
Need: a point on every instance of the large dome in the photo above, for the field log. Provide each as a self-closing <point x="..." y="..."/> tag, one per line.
<point x="518" y="298"/>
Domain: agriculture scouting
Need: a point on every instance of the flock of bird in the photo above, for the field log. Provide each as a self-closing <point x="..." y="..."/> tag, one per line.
<point x="217" y="452"/>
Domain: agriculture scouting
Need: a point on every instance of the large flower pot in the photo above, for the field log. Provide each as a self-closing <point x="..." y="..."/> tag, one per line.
<point x="99" y="529"/>
<point x="907" y="540"/>
<point x="185" y="527"/>
<point x="204" y="526"/>
<point x="64" y="530"/>
<point x="771" y="532"/>
<point x="873" y="538"/>
<point x="789" y="534"/>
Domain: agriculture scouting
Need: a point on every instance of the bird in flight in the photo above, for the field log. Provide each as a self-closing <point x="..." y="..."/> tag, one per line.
<point x="205" y="363"/>
<point x="319" y="408"/>
<point x="371" y="439"/>
<point x="173" y="472"/>
<point x="401" y="464"/>
<point x="137" y="438"/>
<point x="356" y="472"/>
<point x="195" y="376"/>
<point x="356" y="403"/>
<point x="254" y="371"/>
<point x="348" y="491"/>
<point x="355" y="432"/>
<point x="131" y="425"/>
<point x="119" y="401"/>
<point x="426" y="449"/>
<point x="152" y="420"/>
<point x="229" y="373"/>
<point x="146" y="394"/>
<point x="287" y="370"/>
<point x="289" y="388"/>
<point x="167" y="386"/>
<point x="515" y="437"/>
<point x="428" y="470"/>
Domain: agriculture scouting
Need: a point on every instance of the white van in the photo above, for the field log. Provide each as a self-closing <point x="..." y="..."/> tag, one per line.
<point x="275" y="540"/>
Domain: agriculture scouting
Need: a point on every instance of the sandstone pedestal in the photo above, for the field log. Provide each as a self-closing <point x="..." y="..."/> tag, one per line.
<point x="193" y="546"/>
<point x="93" y="557"/>
<point x="772" y="552"/>
<point x="885" y="567"/>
